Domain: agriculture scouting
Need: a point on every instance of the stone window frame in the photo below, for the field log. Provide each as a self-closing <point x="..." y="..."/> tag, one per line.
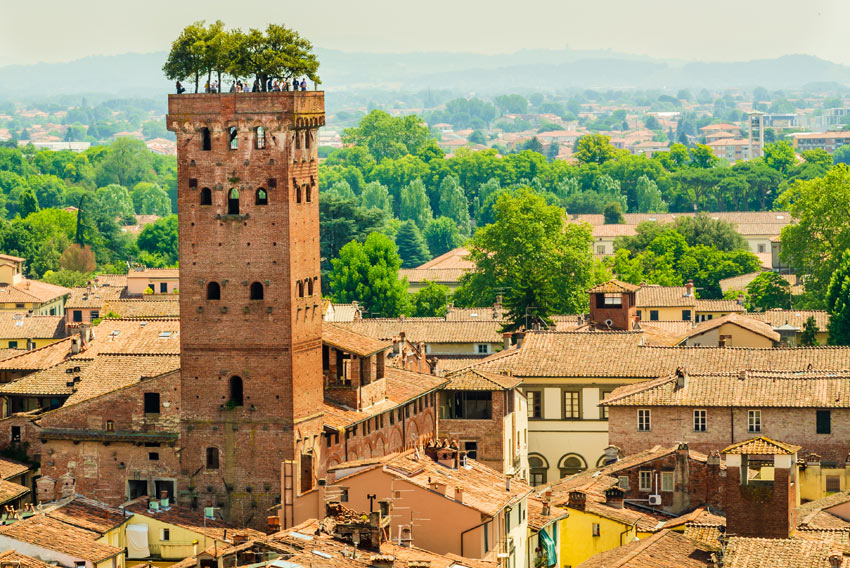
<point x="754" y="424"/>
<point x="645" y="480"/>
<point x="532" y="393"/>
<point x="541" y="471"/>
<point x="565" y="471"/>
<point x="604" y="392"/>
<point x="667" y="480"/>
<point x="578" y="402"/>
<point x="644" y="420"/>
<point x="700" y="419"/>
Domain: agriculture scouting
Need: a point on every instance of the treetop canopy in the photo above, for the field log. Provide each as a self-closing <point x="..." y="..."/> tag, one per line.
<point x="276" y="53"/>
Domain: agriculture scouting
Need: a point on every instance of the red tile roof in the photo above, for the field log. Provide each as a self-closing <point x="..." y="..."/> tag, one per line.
<point x="761" y="446"/>
<point x="40" y="530"/>
<point x="665" y="549"/>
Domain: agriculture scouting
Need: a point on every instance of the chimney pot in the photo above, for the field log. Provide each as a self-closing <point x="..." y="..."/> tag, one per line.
<point x="577" y="500"/>
<point x="506" y="337"/>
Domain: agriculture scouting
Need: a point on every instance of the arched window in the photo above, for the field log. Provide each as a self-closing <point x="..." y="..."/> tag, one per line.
<point x="260" y="138"/>
<point x="307" y="139"/>
<point x="571" y="464"/>
<point x="212" y="458"/>
<point x="206" y="196"/>
<point x="300" y="287"/>
<point x="256" y="291"/>
<point x="235" y="391"/>
<point x="308" y="191"/>
<point x="297" y="193"/>
<point x="233" y="202"/>
<point x="601" y="461"/>
<point x="233" y="138"/>
<point x="213" y="291"/>
<point x="538" y="469"/>
<point x="261" y="198"/>
<point x="206" y="140"/>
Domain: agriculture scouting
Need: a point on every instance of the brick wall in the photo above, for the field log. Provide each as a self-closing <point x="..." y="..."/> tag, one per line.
<point x="764" y="511"/>
<point x="272" y="344"/>
<point x="490" y="434"/>
<point x="725" y="427"/>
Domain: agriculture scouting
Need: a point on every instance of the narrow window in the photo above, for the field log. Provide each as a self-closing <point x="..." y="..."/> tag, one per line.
<point x="77" y="315"/>
<point x="262" y="198"/>
<point x="110" y="426"/>
<point x="166" y="535"/>
<point x="206" y="196"/>
<point x="163" y="287"/>
<point x="307" y="139"/>
<point x="572" y="405"/>
<point x="308" y="193"/>
<point x="534" y="404"/>
<point x="234" y="138"/>
<point x="653" y="315"/>
<point x="260" y="138"/>
<point x="686" y="315"/>
<point x="297" y="193"/>
<point x="213" y="291"/>
<point x="667" y="481"/>
<point x="193" y="183"/>
<point x="833" y="483"/>
<point x="297" y="140"/>
<point x="306" y="472"/>
<point x="645" y="480"/>
<point x="603" y="410"/>
<point x="151" y="403"/>
<point x="310" y="287"/>
<point x="16" y="433"/>
<point x="233" y="202"/>
<point x="824" y="422"/>
<point x="644" y="420"/>
<point x="595" y="529"/>
<point x="212" y="458"/>
<point x="699" y="420"/>
<point x="256" y="291"/>
<point x="300" y="287"/>
<point x="754" y="421"/>
<point x="206" y="140"/>
<point x="236" y="391"/>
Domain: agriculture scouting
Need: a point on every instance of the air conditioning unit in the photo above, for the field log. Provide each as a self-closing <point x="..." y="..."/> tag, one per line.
<point x="655" y="499"/>
<point x="609" y="322"/>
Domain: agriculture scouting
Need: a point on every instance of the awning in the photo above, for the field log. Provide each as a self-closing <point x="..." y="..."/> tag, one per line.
<point x="548" y="545"/>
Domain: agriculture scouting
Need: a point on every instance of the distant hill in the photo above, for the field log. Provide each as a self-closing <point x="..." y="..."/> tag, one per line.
<point x="136" y="74"/>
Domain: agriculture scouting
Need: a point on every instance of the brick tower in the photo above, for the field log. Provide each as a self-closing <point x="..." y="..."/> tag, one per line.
<point x="250" y="302"/>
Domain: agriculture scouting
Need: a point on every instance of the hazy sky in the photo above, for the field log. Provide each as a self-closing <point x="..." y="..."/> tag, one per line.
<point x="719" y="30"/>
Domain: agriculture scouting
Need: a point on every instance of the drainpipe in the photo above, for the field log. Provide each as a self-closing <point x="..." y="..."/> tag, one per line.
<point x="732" y="425"/>
<point x="472" y="529"/>
<point x="634" y="524"/>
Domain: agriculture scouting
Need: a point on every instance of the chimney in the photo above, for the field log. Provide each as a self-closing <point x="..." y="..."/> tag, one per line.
<point x="713" y="458"/>
<point x="422" y="363"/>
<point x="438" y="486"/>
<point x="612" y="454"/>
<point x="614" y="497"/>
<point x="506" y="337"/>
<point x="519" y="336"/>
<point x="508" y="482"/>
<point x="689" y="288"/>
<point x="459" y="494"/>
<point x="681" y="378"/>
<point x="88" y="287"/>
<point x="721" y="342"/>
<point x="742" y="375"/>
<point x="75" y="345"/>
<point x="577" y="500"/>
<point x="547" y="510"/>
<point x="740" y="299"/>
<point x="382" y="560"/>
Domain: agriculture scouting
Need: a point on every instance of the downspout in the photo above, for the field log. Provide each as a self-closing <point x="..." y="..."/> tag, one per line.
<point x="345" y="436"/>
<point x="634" y="524"/>
<point x="472" y="529"/>
<point x="732" y="424"/>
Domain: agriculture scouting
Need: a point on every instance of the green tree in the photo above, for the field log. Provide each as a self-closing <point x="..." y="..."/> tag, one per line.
<point x="431" y="301"/>
<point x="376" y="196"/>
<point x="340" y="222"/>
<point x="368" y="273"/>
<point x="769" y="290"/>
<point x="814" y="244"/>
<point x="341" y="190"/>
<point x="453" y="204"/>
<point x="648" y="196"/>
<point x="613" y="214"/>
<point x="385" y="136"/>
<point x="818" y="157"/>
<point x="541" y="269"/>
<point x="277" y="53"/>
<point x="701" y="229"/>
<point x="150" y="199"/>
<point x="838" y="302"/>
<point x="127" y="161"/>
<point x="187" y="57"/>
<point x="160" y="239"/>
<point x="842" y="155"/>
<point x="703" y="157"/>
<point x="477" y="137"/>
<point x="809" y="336"/>
<point x="779" y="156"/>
<point x="442" y="235"/>
<point x="78" y="258"/>
<point x="415" y="205"/>
<point x="28" y="203"/>
<point x="533" y="144"/>
<point x="114" y="201"/>
<point x="411" y="246"/>
<point x="594" y="149"/>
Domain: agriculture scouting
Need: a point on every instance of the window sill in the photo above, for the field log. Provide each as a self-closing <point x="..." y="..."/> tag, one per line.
<point x="232" y="217"/>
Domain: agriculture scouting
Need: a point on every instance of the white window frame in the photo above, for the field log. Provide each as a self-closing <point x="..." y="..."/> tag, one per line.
<point x="700" y="420"/>
<point x="645" y="480"/>
<point x="478" y="347"/>
<point x="623" y="482"/>
<point x="644" y="420"/>
<point x="667" y="483"/>
<point x="754" y="421"/>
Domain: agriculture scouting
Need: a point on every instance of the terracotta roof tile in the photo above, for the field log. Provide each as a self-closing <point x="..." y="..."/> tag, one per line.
<point x="719" y="306"/>
<point x="135" y="336"/>
<point x="10" y="491"/>
<point x="52" y="534"/>
<point x="742" y="321"/>
<point x="89" y="514"/>
<point x="438" y="275"/>
<point x="705" y="533"/>
<point x="156" y="307"/>
<point x="807" y="511"/>
<point x="108" y="373"/>
<point x="761" y="446"/>
<point x="455" y="258"/>
<point x="31" y="291"/>
<point x="19" y="325"/>
<point x="429" y="330"/>
<point x="352" y="341"/>
<point x="613" y="287"/>
<point x="536" y="519"/>
<point x="48" y="382"/>
<point x="757" y="389"/>
<point x="41" y="358"/>
<point x="490" y="313"/>
<point x="796" y="318"/>
<point x="654" y="296"/>
<point x="11" y="468"/>
<point x="83" y="298"/>
<point x="666" y="549"/>
<point x="480" y="380"/>
<point x="743" y="552"/>
<point x="624" y="355"/>
<point x="11" y="556"/>
<point x="188" y="519"/>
